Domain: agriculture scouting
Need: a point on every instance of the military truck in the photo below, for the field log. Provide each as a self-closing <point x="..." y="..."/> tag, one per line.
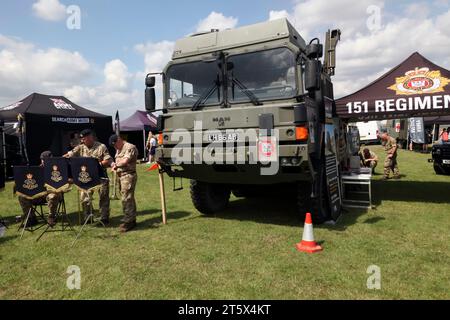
<point x="258" y="96"/>
<point x="398" y="129"/>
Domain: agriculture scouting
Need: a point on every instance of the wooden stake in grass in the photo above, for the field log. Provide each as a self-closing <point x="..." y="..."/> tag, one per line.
<point x="163" y="196"/>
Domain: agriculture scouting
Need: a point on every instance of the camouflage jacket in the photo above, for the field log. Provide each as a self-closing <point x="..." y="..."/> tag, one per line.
<point x="391" y="143"/>
<point x="128" y="151"/>
<point x="98" y="151"/>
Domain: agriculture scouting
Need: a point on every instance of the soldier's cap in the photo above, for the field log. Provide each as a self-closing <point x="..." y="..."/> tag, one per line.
<point x="46" y="154"/>
<point x="86" y="133"/>
<point x="384" y="131"/>
<point x="113" y="139"/>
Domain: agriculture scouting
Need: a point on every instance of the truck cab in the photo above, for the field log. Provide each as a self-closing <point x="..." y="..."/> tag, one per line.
<point x="243" y="108"/>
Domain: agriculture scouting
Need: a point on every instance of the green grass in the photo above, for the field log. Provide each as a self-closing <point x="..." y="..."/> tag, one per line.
<point x="246" y="252"/>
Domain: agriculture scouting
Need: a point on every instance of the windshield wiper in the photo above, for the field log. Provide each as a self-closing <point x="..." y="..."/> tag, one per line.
<point x="247" y="92"/>
<point x="206" y="95"/>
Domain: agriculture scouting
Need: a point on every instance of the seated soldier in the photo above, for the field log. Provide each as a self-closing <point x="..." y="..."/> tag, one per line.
<point x="368" y="159"/>
<point x="51" y="198"/>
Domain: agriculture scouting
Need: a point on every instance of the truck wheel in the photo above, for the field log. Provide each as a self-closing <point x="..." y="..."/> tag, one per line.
<point x="303" y="197"/>
<point x="209" y="198"/>
<point x="438" y="169"/>
<point x="320" y="206"/>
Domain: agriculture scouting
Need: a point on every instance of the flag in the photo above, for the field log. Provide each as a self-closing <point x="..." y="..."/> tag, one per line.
<point x="29" y="181"/>
<point x="117" y="123"/>
<point x="86" y="173"/>
<point x="56" y="174"/>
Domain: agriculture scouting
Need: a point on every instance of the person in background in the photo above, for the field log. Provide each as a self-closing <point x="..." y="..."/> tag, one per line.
<point x="444" y="135"/>
<point x="91" y="148"/>
<point x="125" y="166"/>
<point x="51" y="198"/>
<point x="368" y="159"/>
<point x="74" y="140"/>
<point x="390" y="163"/>
<point x="151" y="147"/>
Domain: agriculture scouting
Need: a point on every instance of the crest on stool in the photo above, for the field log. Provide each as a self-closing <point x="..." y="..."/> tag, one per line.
<point x="56" y="174"/>
<point x="29" y="182"/>
<point x="86" y="173"/>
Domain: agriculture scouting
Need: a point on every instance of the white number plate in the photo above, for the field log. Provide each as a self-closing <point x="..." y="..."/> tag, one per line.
<point x="446" y="161"/>
<point x="224" y="137"/>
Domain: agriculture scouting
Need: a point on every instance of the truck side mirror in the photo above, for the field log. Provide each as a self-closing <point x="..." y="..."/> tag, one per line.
<point x="150" y="99"/>
<point x="150" y="82"/>
<point x="150" y="96"/>
<point x="312" y="75"/>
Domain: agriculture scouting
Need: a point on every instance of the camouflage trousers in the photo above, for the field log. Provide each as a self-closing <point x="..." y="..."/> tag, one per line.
<point x="127" y="185"/>
<point x="390" y="164"/>
<point x="371" y="164"/>
<point x="52" y="200"/>
<point x="86" y="198"/>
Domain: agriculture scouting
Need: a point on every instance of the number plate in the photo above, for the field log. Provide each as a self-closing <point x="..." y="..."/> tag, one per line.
<point x="223" y="137"/>
<point x="446" y="161"/>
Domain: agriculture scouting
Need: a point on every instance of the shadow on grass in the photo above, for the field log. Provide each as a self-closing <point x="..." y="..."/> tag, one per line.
<point x="7" y="238"/>
<point x="278" y="211"/>
<point x="281" y="209"/>
<point x="413" y="191"/>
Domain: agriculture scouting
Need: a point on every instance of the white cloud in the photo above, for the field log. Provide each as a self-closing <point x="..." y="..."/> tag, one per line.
<point x="156" y="54"/>
<point x="50" y="10"/>
<point x="114" y="93"/>
<point x="273" y="15"/>
<point x="216" y="20"/>
<point x="26" y="68"/>
<point x="363" y="54"/>
<point x="116" y="75"/>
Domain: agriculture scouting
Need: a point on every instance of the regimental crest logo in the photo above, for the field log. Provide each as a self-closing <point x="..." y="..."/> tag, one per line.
<point x="420" y="81"/>
<point x="61" y="104"/>
<point x="11" y="106"/>
<point x="56" y="174"/>
<point x="84" y="176"/>
<point x="29" y="183"/>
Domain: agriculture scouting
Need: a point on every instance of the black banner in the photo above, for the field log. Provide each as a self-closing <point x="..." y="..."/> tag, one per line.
<point x="56" y="174"/>
<point x="29" y="181"/>
<point x="86" y="173"/>
<point x="416" y="130"/>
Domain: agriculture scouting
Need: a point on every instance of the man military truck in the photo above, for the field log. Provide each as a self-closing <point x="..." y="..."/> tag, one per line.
<point x="221" y="87"/>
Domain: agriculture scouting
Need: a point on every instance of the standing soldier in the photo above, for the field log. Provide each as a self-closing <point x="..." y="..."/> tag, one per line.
<point x="125" y="166"/>
<point x="90" y="148"/>
<point x="390" y="163"/>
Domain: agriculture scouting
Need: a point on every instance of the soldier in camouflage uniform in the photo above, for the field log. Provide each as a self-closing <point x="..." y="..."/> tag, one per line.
<point x="390" y="163"/>
<point x="52" y="200"/>
<point x="93" y="149"/>
<point x="125" y="166"/>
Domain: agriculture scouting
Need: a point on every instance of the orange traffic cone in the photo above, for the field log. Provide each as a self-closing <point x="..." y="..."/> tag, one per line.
<point x="308" y="244"/>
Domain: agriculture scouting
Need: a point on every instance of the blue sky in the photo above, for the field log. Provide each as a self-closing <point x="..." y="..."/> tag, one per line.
<point x="102" y="64"/>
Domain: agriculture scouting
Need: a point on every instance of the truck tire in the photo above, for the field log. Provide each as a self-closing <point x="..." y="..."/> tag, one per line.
<point x="321" y="208"/>
<point x="306" y="204"/>
<point x="303" y="198"/>
<point x="438" y="169"/>
<point x="209" y="198"/>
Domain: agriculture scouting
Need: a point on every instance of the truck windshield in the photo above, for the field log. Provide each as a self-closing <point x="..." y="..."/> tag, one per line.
<point x="194" y="84"/>
<point x="266" y="75"/>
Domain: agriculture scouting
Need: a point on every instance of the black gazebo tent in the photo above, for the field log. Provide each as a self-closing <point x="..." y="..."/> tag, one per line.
<point x="415" y="88"/>
<point x="49" y="121"/>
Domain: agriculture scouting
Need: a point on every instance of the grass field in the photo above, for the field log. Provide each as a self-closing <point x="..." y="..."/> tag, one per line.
<point x="246" y="252"/>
